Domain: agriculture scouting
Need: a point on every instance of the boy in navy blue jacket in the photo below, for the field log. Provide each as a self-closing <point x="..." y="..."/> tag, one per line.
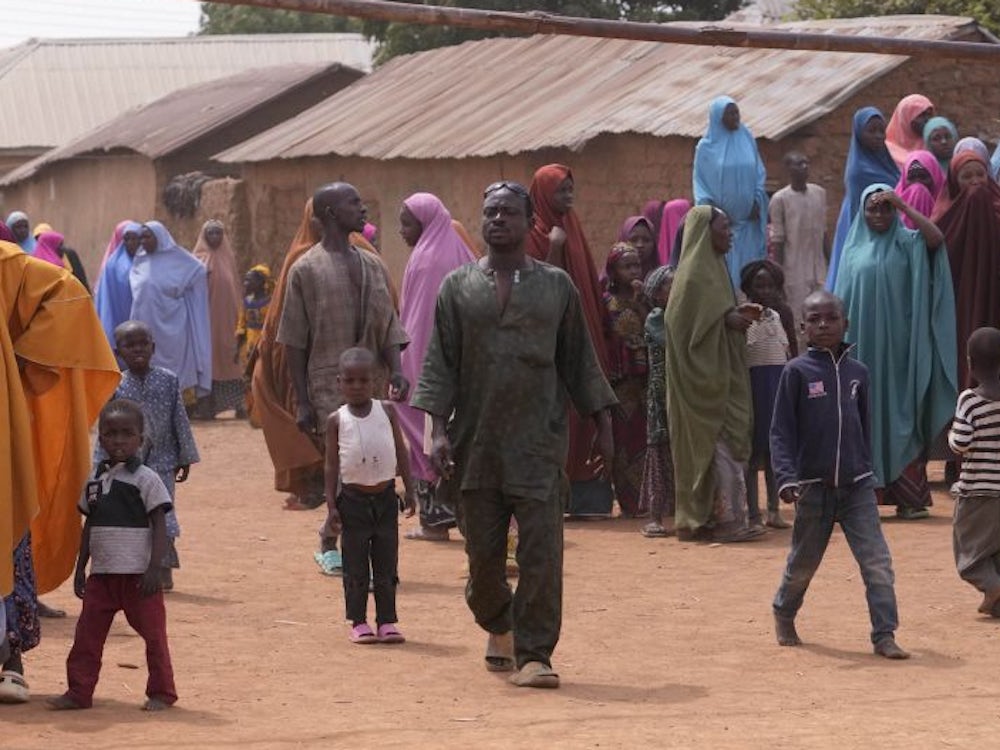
<point x="820" y="451"/>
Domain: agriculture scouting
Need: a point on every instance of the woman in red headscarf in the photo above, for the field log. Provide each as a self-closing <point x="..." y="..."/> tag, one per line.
<point x="557" y="238"/>
<point x="968" y="212"/>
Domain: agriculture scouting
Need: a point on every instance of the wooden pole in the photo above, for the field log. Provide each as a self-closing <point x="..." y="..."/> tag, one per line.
<point x="710" y="35"/>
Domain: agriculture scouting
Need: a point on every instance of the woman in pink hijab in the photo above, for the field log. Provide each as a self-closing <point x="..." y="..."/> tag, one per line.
<point x="905" y="132"/>
<point x="426" y="226"/>
<point x="670" y="224"/>
<point x="920" y="183"/>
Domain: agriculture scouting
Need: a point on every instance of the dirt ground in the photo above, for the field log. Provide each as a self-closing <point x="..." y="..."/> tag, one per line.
<point x="664" y="645"/>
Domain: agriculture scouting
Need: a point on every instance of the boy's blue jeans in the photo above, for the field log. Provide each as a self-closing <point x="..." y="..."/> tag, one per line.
<point x="856" y="509"/>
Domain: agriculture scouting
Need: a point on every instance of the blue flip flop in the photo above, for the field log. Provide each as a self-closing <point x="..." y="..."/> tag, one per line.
<point x="330" y="563"/>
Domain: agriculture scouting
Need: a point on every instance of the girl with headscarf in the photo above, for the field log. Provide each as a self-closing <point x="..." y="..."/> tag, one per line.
<point x="656" y="494"/>
<point x="557" y="237"/>
<point x="298" y="460"/>
<point x="905" y="132"/>
<point x="113" y="293"/>
<point x="897" y="293"/>
<point x="968" y="212"/>
<point x="729" y="174"/>
<point x="257" y="290"/>
<point x="920" y="184"/>
<point x="626" y="311"/>
<point x="708" y="386"/>
<point x="170" y="295"/>
<point x="225" y="299"/>
<point x="940" y="135"/>
<point x="17" y="222"/>
<point x="638" y="231"/>
<point x="868" y="162"/>
<point x="426" y="226"/>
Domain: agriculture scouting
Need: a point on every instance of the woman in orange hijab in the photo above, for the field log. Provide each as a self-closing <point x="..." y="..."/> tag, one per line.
<point x="557" y="238"/>
<point x="298" y="461"/>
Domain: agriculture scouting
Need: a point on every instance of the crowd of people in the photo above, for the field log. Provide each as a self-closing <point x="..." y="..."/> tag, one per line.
<point x="721" y="337"/>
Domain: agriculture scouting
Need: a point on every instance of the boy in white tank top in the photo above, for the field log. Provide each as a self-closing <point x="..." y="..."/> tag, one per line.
<point x="364" y="453"/>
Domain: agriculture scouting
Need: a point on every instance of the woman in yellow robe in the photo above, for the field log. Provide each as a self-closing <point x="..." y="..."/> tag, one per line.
<point x="56" y="372"/>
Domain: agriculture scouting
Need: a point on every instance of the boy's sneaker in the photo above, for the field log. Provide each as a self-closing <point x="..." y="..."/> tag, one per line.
<point x="888" y="648"/>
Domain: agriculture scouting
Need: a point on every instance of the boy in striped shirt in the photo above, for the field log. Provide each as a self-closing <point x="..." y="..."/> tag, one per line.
<point x="975" y="435"/>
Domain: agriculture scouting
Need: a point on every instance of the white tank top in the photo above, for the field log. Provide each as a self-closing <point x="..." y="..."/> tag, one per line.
<point x="367" y="446"/>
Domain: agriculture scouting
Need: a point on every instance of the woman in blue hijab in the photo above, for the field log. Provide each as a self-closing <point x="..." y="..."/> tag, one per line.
<point x="898" y="296"/>
<point x="113" y="293"/>
<point x="170" y="295"/>
<point x="868" y="162"/>
<point x="729" y="174"/>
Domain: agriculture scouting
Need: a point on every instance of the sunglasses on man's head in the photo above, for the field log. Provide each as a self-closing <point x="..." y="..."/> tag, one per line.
<point x="514" y="187"/>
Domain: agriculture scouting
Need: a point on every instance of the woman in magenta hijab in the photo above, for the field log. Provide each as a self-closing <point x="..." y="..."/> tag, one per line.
<point x="671" y="224"/>
<point x="47" y="246"/>
<point x="425" y="225"/>
<point x="920" y="184"/>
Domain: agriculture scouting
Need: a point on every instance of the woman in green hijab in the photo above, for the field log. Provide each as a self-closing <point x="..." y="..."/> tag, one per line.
<point x="708" y="386"/>
<point x="897" y="291"/>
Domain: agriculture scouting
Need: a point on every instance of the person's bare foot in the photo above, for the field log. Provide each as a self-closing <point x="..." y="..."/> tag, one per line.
<point x="44" y="610"/>
<point x="155" y="704"/>
<point x="784" y="630"/>
<point x="775" y="521"/>
<point x="428" y="534"/>
<point x="888" y="648"/>
<point x="63" y="703"/>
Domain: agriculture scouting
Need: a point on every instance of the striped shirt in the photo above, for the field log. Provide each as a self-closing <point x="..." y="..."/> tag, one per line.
<point x="117" y="503"/>
<point x="767" y="342"/>
<point x="975" y="434"/>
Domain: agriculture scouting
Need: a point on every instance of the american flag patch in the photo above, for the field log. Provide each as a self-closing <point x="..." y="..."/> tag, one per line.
<point x="817" y="389"/>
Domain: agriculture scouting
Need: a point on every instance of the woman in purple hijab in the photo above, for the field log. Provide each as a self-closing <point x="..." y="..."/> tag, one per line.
<point x="425" y="225"/>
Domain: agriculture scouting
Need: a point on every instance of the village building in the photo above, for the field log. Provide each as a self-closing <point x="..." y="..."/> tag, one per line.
<point x="55" y="90"/>
<point x="625" y="115"/>
<point x="156" y="161"/>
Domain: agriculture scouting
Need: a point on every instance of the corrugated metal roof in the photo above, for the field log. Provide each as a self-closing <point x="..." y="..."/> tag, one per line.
<point x="515" y="95"/>
<point x="177" y="119"/>
<point x="58" y="89"/>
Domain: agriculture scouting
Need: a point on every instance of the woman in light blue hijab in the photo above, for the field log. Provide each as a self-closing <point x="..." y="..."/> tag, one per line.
<point x="729" y="174"/>
<point x="113" y="292"/>
<point x="898" y="297"/>
<point x="17" y="222"/>
<point x="170" y="295"/>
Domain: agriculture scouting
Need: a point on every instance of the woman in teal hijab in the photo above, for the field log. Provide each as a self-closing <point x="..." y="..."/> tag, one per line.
<point x="896" y="287"/>
<point x="940" y="136"/>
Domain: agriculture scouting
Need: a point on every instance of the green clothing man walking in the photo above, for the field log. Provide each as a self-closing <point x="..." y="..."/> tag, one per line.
<point x="509" y="345"/>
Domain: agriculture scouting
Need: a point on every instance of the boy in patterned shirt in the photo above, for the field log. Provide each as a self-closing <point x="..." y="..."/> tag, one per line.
<point x="169" y="448"/>
<point x="125" y="540"/>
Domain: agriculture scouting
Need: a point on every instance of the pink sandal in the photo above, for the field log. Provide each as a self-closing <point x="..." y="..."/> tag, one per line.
<point x="363" y="634"/>
<point x="387" y="633"/>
